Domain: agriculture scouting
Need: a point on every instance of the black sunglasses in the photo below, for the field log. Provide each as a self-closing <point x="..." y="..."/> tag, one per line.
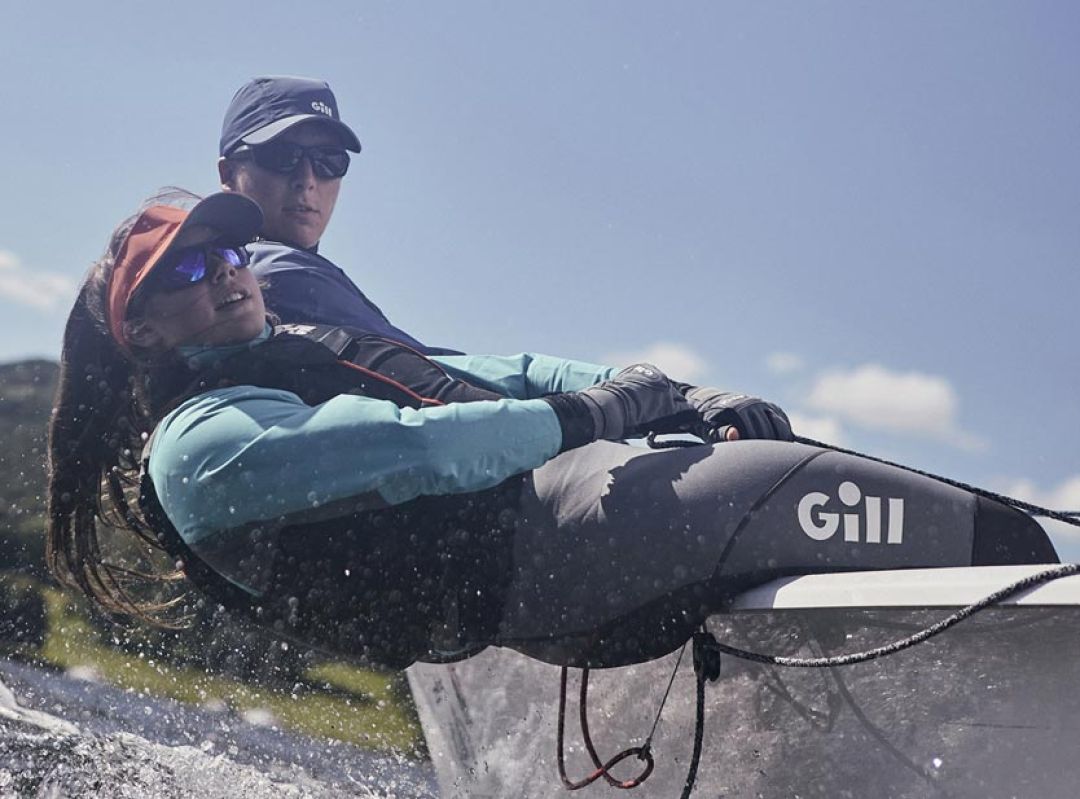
<point x="191" y="265"/>
<point x="328" y="161"/>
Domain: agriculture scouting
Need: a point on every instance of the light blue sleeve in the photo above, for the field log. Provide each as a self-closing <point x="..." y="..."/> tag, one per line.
<point x="524" y="376"/>
<point x="243" y="454"/>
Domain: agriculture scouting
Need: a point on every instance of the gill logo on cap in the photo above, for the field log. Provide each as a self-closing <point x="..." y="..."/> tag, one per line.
<point x="321" y="107"/>
<point x="821" y="526"/>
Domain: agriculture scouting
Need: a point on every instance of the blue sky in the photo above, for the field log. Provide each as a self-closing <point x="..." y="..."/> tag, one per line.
<point x="867" y="212"/>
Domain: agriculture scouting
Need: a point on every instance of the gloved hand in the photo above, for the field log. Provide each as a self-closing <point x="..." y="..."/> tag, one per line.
<point x="638" y="399"/>
<point x="751" y="416"/>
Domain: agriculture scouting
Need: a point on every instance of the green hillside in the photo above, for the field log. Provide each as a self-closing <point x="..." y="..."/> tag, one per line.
<point x="26" y="396"/>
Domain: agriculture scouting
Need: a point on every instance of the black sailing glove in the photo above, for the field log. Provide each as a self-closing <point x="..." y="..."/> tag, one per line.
<point x="751" y="416"/>
<point x="639" y="399"/>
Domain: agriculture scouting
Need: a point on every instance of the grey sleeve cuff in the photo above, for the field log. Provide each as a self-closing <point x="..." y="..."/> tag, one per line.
<point x="575" y="418"/>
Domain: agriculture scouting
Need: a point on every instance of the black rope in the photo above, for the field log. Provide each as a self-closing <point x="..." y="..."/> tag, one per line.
<point x="643" y="752"/>
<point x="602" y="770"/>
<point x="707" y="649"/>
<point x="916" y="638"/>
<point x="707" y="652"/>
<point x="1067" y="516"/>
<point x="655" y="443"/>
<point x="663" y="700"/>
<point x="706" y="667"/>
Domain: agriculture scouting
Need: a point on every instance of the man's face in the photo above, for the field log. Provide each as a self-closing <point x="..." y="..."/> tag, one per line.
<point x="296" y="207"/>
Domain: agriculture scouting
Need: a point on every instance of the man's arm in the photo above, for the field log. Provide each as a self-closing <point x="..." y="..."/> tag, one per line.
<point x="528" y="376"/>
<point x="525" y="376"/>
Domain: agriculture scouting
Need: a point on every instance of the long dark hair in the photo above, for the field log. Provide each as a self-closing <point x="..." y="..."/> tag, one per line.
<point x="108" y="401"/>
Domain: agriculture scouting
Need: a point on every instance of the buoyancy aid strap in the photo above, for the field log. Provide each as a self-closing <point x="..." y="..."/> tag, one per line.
<point x="335" y="339"/>
<point x="318" y="362"/>
<point x="391" y="382"/>
<point x="379" y="367"/>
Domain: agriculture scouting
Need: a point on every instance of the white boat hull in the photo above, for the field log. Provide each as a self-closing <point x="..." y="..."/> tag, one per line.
<point x="989" y="708"/>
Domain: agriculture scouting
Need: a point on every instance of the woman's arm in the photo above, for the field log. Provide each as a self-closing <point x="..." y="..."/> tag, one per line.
<point x="243" y="454"/>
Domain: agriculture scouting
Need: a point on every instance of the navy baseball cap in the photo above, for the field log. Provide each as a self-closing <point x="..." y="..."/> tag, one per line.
<point x="266" y="107"/>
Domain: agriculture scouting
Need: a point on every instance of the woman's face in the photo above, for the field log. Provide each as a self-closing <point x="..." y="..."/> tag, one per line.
<point x="225" y="307"/>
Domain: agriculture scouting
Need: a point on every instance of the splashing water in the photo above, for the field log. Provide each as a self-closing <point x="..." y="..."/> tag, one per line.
<point x="65" y="736"/>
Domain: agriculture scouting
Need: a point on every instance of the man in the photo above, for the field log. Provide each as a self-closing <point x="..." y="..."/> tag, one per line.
<point x="283" y="144"/>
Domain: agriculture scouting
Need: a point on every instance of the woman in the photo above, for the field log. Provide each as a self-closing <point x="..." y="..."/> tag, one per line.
<point x="346" y="491"/>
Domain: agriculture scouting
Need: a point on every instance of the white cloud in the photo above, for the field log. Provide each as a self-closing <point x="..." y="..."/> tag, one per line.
<point x="38" y="289"/>
<point x="675" y="360"/>
<point x="1065" y="496"/>
<point x="783" y="363"/>
<point x="826" y="429"/>
<point x="904" y="402"/>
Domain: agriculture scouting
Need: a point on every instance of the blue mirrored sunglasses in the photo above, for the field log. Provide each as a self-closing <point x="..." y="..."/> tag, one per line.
<point x="188" y="266"/>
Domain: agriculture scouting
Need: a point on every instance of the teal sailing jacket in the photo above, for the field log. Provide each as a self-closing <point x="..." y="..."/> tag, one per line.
<point x="242" y="454"/>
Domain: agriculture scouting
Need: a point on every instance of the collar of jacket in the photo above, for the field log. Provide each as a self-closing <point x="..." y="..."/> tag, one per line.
<point x="200" y="356"/>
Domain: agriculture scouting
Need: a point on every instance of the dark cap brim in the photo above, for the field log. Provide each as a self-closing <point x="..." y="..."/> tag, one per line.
<point x="276" y="128"/>
<point x="235" y="218"/>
